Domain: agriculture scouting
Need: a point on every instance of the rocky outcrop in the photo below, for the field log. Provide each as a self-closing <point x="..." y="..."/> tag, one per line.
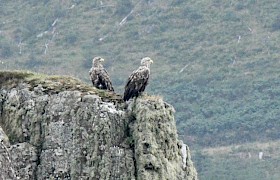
<point x="60" y="128"/>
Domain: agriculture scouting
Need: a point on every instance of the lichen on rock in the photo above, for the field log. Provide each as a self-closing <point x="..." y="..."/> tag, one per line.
<point x="157" y="148"/>
<point x="60" y="128"/>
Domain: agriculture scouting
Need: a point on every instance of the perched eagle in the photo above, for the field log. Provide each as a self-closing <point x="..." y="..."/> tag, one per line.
<point x="138" y="80"/>
<point x="99" y="76"/>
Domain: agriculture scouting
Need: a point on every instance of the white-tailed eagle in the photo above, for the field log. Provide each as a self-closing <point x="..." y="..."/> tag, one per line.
<point x="138" y="80"/>
<point x="99" y="76"/>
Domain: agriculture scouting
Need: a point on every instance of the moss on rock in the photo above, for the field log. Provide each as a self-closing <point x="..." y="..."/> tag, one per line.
<point x="60" y="128"/>
<point x="157" y="148"/>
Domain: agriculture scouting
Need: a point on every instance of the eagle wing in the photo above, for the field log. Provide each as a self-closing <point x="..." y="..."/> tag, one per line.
<point x="93" y="76"/>
<point x="100" y="79"/>
<point x="105" y="80"/>
<point x="136" y="83"/>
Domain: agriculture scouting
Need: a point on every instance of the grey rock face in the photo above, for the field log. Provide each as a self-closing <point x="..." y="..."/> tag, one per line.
<point x="73" y="135"/>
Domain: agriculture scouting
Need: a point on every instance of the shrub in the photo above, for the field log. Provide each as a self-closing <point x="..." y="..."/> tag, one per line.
<point x="276" y="24"/>
<point x="6" y="50"/>
<point x="123" y="7"/>
<point x="70" y="39"/>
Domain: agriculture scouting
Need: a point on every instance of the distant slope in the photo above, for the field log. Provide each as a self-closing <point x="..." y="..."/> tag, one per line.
<point x="239" y="161"/>
<point x="217" y="62"/>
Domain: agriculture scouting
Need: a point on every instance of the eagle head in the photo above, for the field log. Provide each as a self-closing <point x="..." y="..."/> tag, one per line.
<point x="97" y="61"/>
<point x="146" y="61"/>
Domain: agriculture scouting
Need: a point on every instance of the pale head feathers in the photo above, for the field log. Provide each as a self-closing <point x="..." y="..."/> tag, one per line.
<point x="146" y="61"/>
<point x="96" y="62"/>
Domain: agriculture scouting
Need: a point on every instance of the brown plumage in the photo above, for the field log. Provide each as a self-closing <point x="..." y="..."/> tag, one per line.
<point x="99" y="76"/>
<point x="138" y="80"/>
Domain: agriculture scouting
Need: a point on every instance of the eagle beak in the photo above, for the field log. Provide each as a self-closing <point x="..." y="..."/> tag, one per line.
<point x="152" y="61"/>
<point x="101" y="60"/>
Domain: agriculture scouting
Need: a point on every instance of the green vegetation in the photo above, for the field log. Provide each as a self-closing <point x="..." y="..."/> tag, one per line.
<point x="216" y="62"/>
<point x="239" y="162"/>
<point x="52" y="84"/>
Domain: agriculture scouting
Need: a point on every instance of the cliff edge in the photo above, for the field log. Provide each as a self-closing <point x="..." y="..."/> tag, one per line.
<point x="55" y="127"/>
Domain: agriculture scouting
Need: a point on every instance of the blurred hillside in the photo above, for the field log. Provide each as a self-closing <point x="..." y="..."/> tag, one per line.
<point x="216" y="61"/>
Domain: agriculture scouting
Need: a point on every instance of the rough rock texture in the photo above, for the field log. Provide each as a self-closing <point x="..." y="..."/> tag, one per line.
<point x="52" y="132"/>
<point x="158" y="153"/>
